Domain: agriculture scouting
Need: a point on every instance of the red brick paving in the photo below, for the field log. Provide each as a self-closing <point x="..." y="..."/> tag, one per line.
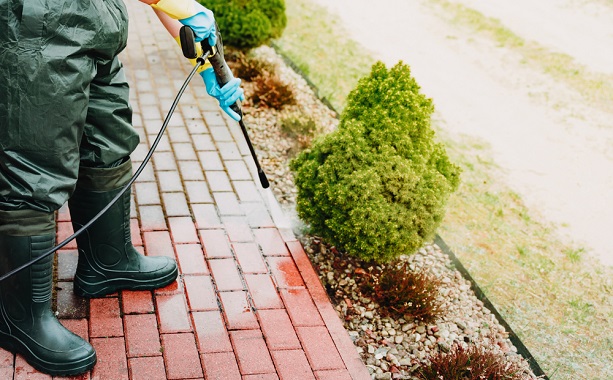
<point x="211" y="332"/>
<point x="137" y="302"/>
<point x="238" y="313"/>
<point x="200" y="293"/>
<point x="249" y="258"/>
<point x="104" y="318"/>
<point x="24" y="371"/>
<point x="147" y="368"/>
<point x="142" y="337"/>
<point x="248" y="304"/>
<point x="64" y="229"/>
<point x="263" y="292"/>
<point x="112" y="359"/>
<point x="181" y="356"/>
<point x="220" y="366"/>
<point x="191" y="259"/>
<point x="292" y="364"/>
<point x="226" y="275"/>
<point x="278" y="330"/>
<point x="216" y="244"/>
<point x="172" y="313"/>
<point x="319" y="348"/>
<point x="251" y="351"/>
<point x="332" y="375"/>
<point x="300" y="307"/>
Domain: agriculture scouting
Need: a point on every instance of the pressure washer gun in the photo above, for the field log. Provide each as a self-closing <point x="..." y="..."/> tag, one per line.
<point x="215" y="55"/>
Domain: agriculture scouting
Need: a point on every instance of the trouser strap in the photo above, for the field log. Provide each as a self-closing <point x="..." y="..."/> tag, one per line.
<point x="26" y="223"/>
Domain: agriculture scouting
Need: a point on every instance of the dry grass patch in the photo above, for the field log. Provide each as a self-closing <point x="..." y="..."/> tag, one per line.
<point x="557" y="300"/>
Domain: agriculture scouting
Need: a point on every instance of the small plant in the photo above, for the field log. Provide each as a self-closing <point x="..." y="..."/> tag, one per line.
<point x="300" y="128"/>
<point x="268" y="90"/>
<point x="470" y="363"/>
<point x="403" y="292"/>
<point x="271" y="92"/>
<point x="377" y="186"/>
<point x="248" y="23"/>
<point x="247" y="67"/>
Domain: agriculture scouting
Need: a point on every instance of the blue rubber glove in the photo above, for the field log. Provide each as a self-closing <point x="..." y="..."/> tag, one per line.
<point x="226" y="95"/>
<point x="203" y="24"/>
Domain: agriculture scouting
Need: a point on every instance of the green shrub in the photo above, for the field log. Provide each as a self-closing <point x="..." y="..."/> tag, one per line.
<point x="248" y="23"/>
<point x="377" y="186"/>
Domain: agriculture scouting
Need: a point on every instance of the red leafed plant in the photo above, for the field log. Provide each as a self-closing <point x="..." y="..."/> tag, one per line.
<point x="470" y="363"/>
<point x="271" y="91"/>
<point x="401" y="291"/>
<point x="268" y="90"/>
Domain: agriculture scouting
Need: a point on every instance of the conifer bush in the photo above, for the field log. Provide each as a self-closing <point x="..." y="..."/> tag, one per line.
<point x="247" y="24"/>
<point x="377" y="186"/>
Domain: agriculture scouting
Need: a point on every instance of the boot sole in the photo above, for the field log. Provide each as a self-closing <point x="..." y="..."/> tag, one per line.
<point x="12" y="344"/>
<point x="110" y="286"/>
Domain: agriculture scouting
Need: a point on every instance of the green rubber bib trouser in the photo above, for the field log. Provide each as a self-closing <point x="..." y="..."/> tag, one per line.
<point x="65" y="133"/>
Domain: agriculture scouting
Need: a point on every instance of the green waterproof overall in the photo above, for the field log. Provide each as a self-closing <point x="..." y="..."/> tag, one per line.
<point x="65" y="135"/>
<point x="63" y="100"/>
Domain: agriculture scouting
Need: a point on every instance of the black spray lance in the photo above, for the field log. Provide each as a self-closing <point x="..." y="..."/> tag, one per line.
<point x="223" y="74"/>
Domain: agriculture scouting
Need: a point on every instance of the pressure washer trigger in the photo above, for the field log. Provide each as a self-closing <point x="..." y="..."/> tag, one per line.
<point x="188" y="42"/>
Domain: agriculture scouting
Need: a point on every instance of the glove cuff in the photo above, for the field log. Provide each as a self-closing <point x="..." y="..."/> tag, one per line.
<point x="206" y="64"/>
<point x="177" y="9"/>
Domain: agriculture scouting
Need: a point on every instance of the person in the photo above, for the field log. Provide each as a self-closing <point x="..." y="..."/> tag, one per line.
<point x="66" y="135"/>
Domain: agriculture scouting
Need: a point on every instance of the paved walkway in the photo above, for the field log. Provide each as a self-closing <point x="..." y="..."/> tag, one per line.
<point x="248" y="304"/>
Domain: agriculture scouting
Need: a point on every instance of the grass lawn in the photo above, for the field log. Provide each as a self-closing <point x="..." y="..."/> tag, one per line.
<point x="559" y="302"/>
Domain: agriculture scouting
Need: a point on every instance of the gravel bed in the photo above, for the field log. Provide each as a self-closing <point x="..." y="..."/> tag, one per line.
<point x="390" y="348"/>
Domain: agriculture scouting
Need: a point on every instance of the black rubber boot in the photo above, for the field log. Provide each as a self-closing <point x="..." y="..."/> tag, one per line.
<point x="28" y="326"/>
<point x="108" y="261"/>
